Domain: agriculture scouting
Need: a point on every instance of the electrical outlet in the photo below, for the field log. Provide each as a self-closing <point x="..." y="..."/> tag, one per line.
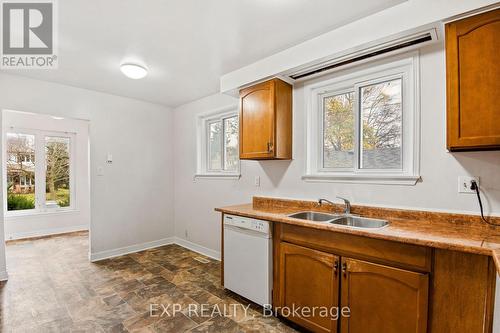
<point x="256" y="181"/>
<point x="186" y="235"/>
<point x="464" y="184"/>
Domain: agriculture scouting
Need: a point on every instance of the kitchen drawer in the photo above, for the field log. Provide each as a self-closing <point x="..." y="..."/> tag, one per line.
<point x="375" y="250"/>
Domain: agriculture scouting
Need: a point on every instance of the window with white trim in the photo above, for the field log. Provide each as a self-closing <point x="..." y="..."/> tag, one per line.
<point x="363" y="126"/>
<point x="38" y="171"/>
<point x="218" y="150"/>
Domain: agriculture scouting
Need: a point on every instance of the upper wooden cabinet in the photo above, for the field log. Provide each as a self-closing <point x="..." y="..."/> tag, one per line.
<point x="473" y="85"/>
<point x="266" y="121"/>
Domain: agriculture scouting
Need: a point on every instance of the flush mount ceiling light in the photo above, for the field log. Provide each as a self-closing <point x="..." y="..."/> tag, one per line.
<point x="133" y="71"/>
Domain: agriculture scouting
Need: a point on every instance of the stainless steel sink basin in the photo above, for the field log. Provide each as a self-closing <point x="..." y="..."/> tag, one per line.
<point x="347" y="220"/>
<point x="314" y="216"/>
<point x="360" y="222"/>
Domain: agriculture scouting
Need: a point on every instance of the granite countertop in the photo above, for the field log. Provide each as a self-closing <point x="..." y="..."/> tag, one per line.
<point x="465" y="233"/>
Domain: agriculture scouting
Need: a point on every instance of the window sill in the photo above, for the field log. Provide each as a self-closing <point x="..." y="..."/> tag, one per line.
<point x="217" y="176"/>
<point x="363" y="179"/>
<point x="22" y="214"/>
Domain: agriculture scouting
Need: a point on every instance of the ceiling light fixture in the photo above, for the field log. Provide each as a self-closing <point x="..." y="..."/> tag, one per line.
<point x="133" y="71"/>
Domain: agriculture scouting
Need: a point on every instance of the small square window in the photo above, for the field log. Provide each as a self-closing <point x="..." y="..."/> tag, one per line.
<point x="218" y="149"/>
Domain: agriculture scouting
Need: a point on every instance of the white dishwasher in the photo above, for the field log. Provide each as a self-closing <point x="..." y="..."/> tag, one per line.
<point x="248" y="258"/>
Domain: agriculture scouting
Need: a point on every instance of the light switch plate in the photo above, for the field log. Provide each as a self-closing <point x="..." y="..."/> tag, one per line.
<point x="464" y="184"/>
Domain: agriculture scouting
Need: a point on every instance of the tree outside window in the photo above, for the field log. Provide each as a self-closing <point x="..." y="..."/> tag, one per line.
<point x="22" y="171"/>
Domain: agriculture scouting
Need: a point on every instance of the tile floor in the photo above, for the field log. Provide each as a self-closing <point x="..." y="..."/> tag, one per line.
<point x="52" y="287"/>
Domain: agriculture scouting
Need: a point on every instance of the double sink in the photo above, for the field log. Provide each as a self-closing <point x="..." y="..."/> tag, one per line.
<point x="346" y="220"/>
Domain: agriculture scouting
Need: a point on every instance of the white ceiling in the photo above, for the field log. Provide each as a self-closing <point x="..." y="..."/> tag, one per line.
<point x="186" y="44"/>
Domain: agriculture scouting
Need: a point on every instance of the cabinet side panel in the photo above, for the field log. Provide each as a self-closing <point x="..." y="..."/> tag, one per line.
<point x="460" y="293"/>
<point x="283" y="120"/>
<point x="452" y="111"/>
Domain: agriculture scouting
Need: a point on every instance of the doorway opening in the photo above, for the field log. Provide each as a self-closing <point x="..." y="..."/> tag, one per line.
<point x="45" y="164"/>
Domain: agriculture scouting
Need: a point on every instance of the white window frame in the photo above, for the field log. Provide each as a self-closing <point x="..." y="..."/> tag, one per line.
<point x="406" y="67"/>
<point x="40" y="170"/>
<point x="203" y="146"/>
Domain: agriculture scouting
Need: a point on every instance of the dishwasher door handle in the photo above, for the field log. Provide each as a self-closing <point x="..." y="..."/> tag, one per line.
<point x="246" y="231"/>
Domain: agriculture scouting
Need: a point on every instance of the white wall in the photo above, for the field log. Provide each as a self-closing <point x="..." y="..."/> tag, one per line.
<point x="133" y="202"/>
<point x="195" y="201"/>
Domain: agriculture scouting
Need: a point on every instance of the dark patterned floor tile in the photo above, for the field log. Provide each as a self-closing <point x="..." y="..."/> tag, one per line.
<point x="177" y="323"/>
<point x="216" y="325"/>
<point x="113" y="300"/>
<point x="53" y="287"/>
<point x="140" y="321"/>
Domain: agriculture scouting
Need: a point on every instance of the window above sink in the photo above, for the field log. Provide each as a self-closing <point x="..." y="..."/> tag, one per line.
<point x="363" y="126"/>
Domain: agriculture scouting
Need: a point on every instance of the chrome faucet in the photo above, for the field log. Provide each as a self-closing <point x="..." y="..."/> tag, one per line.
<point x="347" y="203"/>
<point x="320" y="202"/>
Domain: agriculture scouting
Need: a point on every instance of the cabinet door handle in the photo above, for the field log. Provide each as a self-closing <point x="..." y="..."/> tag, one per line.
<point x="344" y="268"/>
<point x="335" y="267"/>
<point x="269" y="147"/>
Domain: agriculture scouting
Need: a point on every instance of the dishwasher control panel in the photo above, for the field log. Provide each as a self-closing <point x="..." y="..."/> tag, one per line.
<point x="248" y="223"/>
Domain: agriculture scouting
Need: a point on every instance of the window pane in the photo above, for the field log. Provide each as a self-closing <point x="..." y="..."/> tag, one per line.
<point x="338" y="131"/>
<point x="20" y="171"/>
<point x="215" y="146"/>
<point x="231" y="155"/>
<point x="381" y="114"/>
<point x="57" y="157"/>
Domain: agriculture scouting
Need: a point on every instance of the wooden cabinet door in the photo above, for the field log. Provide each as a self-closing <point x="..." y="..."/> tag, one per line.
<point x="382" y="299"/>
<point x="473" y="85"/>
<point x="309" y="278"/>
<point x="257" y="121"/>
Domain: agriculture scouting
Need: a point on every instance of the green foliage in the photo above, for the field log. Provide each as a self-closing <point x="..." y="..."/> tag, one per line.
<point x="339" y="122"/>
<point x="20" y="201"/>
<point x="63" y="198"/>
<point x="64" y="202"/>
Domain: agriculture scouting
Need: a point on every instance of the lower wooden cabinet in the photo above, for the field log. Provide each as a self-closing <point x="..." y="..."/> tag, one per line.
<point x="382" y="298"/>
<point x="309" y="279"/>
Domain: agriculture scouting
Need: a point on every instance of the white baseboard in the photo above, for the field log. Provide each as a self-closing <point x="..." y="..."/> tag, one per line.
<point x="149" y="245"/>
<point x="130" y="249"/>
<point x="197" y="248"/>
<point x="45" y="232"/>
<point x="140" y="247"/>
